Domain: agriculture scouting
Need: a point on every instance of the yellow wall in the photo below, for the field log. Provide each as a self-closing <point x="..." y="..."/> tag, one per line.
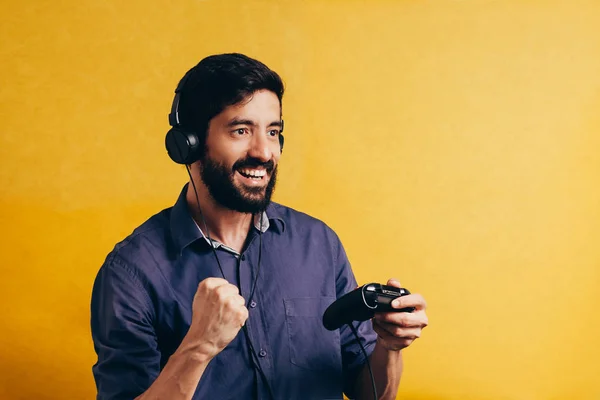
<point x="453" y="144"/>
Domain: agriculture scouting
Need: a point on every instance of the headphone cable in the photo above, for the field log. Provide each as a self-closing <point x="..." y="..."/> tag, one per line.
<point x="366" y="358"/>
<point x="254" y="357"/>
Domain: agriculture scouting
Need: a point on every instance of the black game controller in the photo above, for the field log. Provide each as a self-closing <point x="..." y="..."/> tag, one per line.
<point x="362" y="303"/>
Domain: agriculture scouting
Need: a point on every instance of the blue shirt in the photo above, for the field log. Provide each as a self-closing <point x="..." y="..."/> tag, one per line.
<point x="141" y="309"/>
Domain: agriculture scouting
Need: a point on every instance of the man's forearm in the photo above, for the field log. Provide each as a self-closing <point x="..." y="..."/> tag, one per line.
<point x="179" y="378"/>
<point x="387" y="370"/>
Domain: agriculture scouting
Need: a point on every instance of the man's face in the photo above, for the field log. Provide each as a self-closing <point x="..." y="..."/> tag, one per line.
<point x="239" y="166"/>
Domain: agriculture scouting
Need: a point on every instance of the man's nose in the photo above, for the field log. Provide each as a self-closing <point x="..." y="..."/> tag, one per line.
<point x="260" y="148"/>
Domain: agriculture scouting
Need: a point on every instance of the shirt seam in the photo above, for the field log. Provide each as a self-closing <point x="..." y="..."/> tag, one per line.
<point x="135" y="278"/>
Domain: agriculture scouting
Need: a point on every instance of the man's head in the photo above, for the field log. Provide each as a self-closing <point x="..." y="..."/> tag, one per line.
<point x="233" y="105"/>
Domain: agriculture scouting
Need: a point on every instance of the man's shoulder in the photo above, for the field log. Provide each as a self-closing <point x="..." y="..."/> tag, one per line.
<point x="153" y="235"/>
<point x="296" y="219"/>
<point x="290" y="214"/>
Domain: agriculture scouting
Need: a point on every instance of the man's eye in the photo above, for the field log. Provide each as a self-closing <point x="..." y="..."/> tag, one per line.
<point x="274" y="132"/>
<point x="240" y="131"/>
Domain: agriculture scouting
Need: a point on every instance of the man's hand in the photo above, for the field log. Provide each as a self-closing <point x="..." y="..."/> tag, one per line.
<point x="218" y="314"/>
<point x="397" y="330"/>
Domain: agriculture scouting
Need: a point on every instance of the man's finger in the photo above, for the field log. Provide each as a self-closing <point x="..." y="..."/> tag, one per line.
<point x="213" y="282"/>
<point x="399" y="332"/>
<point x="416" y="319"/>
<point x="391" y="342"/>
<point x="412" y="300"/>
<point x="394" y="282"/>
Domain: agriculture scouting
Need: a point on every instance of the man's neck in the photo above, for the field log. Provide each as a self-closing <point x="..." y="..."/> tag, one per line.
<point x="222" y="224"/>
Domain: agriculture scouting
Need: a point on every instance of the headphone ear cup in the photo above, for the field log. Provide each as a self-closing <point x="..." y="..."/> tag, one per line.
<point x="182" y="147"/>
<point x="281" y="140"/>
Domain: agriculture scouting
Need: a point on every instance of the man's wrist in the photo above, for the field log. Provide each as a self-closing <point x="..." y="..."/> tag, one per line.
<point x="194" y="350"/>
<point x="384" y="346"/>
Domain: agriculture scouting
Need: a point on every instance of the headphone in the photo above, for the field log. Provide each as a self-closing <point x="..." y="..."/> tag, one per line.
<point x="184" y="146"/>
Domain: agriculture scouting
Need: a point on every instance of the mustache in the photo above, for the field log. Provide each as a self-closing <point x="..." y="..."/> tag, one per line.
<point x="250" y="162"/>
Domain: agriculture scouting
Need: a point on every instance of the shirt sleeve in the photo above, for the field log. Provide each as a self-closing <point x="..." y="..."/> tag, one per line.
<point x="123" y="334"/>
<point x="353" y="359"/>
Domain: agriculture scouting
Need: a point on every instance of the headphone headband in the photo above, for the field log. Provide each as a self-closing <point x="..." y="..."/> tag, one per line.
<point x="184" y="147"/>
<point x="174" y="115"/>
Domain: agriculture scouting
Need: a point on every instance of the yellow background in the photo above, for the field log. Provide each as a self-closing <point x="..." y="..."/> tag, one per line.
<point x="452" y="144"/>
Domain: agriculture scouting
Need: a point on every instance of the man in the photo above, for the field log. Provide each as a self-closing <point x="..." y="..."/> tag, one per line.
<point x="222" y="295"/>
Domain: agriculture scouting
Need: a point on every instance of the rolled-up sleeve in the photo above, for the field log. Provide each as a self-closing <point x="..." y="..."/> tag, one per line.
<point x="353" y="359"/>
<point x="123" y="333"/>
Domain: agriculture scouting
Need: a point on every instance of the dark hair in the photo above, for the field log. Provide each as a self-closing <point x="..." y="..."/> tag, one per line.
<point x="219" y="81"/>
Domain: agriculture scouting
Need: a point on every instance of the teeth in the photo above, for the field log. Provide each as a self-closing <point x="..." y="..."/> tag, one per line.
<point x="257" y="173"/>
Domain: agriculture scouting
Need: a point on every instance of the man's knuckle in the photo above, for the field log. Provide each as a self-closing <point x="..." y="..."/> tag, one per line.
<point x="229" y="302"/>
<point x="242" y="314"/>
<point x="231" y="287"/>
<point x="403" y="320"/>
<point x="241" y="300"/>
<point x="219" y="294"/>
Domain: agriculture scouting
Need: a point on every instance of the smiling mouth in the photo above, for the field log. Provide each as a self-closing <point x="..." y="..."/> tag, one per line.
<point x="255" y="174"/>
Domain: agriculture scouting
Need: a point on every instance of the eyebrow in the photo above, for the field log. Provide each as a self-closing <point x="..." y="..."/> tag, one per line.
<point x="235" y="122"/>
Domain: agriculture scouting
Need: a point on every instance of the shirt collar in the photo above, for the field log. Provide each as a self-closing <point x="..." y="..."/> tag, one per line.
<point x="185" y="231"/>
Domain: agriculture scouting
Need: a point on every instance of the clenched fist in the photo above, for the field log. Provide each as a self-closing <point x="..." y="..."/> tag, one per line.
<point x="218" y="314"/>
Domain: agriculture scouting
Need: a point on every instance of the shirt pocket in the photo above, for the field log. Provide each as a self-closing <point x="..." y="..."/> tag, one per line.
<point x="311" y="345"/>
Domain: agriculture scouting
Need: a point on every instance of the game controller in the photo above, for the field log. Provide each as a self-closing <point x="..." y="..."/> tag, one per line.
<point x="362" y="303"/>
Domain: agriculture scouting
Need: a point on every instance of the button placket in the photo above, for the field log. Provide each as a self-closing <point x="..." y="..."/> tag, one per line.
<point x="248" y="266"/>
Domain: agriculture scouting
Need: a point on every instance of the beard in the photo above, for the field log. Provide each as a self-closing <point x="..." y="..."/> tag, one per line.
<point x="219" y="180"/>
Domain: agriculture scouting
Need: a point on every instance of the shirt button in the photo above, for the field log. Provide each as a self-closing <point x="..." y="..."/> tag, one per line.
<point x="243" y="257"/>
<point x="262" y="353"/>
<point x="252" y="304"/>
